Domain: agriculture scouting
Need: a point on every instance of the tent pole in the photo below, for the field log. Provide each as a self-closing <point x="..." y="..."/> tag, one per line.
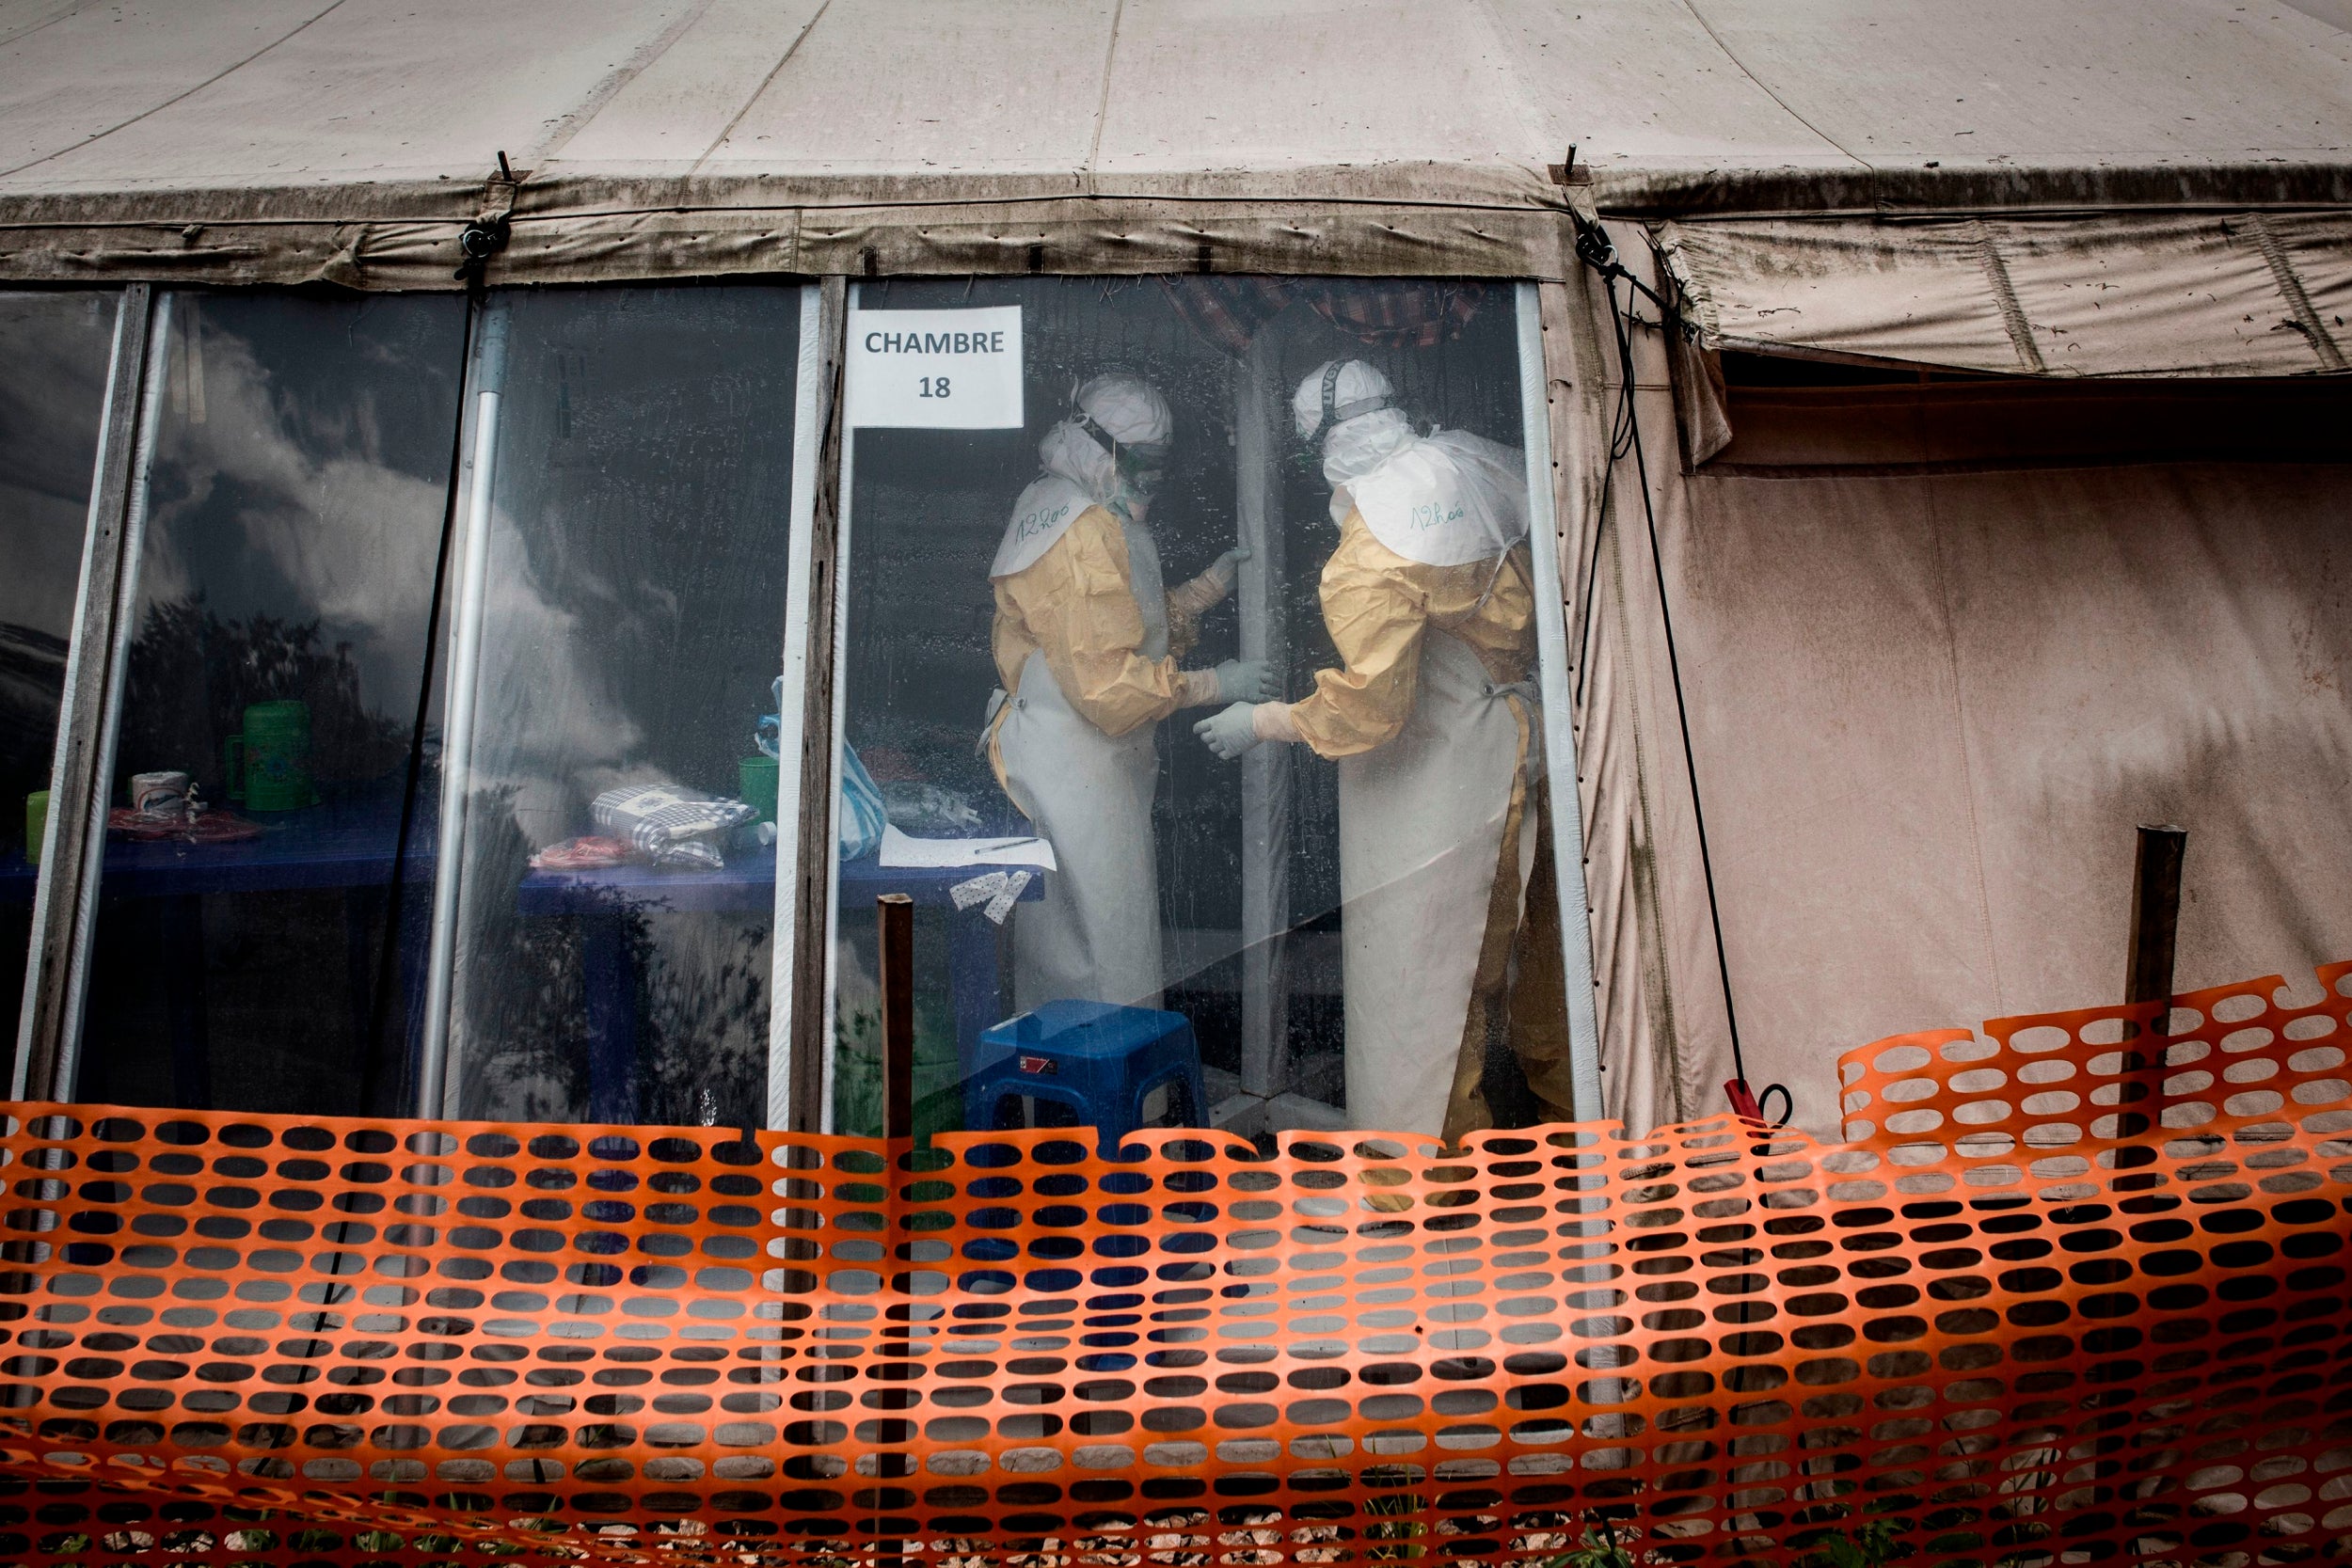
<point x="824" y="733"/>
<point x="793" y="1092"/>
<point x="487" y="383"/>
<point x="72" y="854"/>
<point x="1266" y="771"/>
<point x="1551" y="497"/>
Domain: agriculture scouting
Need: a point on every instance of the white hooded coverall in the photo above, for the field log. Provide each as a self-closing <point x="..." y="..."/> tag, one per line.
<point x="1084" y="640"/>
<point x="1434" y="722"/>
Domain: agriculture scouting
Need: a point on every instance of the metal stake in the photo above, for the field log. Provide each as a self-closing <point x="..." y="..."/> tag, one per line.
<point x="894" y="916"/>
<point x="2148" y="962"/>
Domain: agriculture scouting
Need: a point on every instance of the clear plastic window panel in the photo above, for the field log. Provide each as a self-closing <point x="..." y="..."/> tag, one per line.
<point x="54" y="351"/>
<point x="267" y="882"/>
<point x="1189" y="692"/>
<point x="611" y="958"/>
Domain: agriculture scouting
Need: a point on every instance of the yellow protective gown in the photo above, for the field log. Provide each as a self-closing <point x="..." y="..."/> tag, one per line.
<point x="1079" y="606"/>
<point x="1085" y="641"/>
<point x="1450" y="931"/>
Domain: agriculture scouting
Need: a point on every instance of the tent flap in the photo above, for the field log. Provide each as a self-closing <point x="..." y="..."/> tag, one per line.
<point x="2206" y="294"/>
<point x="577" y="245"/>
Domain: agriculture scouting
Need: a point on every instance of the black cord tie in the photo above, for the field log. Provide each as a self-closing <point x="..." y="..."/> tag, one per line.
<point x="1595" y="250"/>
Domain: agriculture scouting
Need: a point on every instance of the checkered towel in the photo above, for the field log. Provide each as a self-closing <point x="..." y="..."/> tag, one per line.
<point x="669" y="823"/>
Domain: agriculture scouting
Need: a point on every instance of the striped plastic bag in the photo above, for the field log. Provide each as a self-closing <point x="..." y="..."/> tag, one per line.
<point x="861" y="810"/>
<point x="862" y="813"/>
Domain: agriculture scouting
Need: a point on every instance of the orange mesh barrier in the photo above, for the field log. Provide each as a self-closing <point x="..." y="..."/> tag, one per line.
<point x="2010" y="1316"/>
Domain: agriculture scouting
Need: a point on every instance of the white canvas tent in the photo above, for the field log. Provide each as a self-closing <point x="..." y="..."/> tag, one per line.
<point x="1938" y="646"/>
<point x="306" y="137"/>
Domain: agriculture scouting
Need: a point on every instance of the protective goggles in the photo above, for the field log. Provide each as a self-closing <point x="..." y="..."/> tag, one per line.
<point x="1141" y="464"/>
<point x="1335" y="412"/>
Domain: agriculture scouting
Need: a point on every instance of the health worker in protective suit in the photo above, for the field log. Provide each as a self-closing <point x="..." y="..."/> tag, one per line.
<point x="1433" y="720"/>
<point x="1087" y="642"/>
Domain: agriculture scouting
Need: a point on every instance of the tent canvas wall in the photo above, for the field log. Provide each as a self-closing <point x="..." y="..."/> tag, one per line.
<point x="1943" y="641"/>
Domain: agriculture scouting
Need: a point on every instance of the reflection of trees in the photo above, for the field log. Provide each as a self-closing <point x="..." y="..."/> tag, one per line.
<point x="701" y="998"/>
<point x="706" y="1006"/>
<point x="519" y="999"/>
<point x="32" y="672"/>
<point x="192" y="675"/>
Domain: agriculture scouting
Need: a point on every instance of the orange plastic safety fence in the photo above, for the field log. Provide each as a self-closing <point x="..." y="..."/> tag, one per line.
<point x="2028" y="1329"/>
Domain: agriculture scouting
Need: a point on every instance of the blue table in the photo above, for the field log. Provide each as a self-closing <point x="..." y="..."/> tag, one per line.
<point x="347" y="842"/>
<point x="605" y="899"/>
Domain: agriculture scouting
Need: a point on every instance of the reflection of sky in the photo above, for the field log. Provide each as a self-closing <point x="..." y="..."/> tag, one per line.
<point x="632" y="625"/>
<point x="635" y="614"/>
<point x="549" y="734"/>
<point x="53" y="388"/>
<point x="301" y="472"/>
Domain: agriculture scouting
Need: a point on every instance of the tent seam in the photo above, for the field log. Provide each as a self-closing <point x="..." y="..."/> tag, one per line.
<point x="1103" y="100"/>
<point x="1765" y="87"/>
<point x="760" y="91"/>
<point x="2004" y="296"/>
<point x="1651" y="1024"/>
<point x="66" y="15"/>
<point x="603" y="97"/>
<point x="1967" y="761"/>
<point x="1648" y="897"/>
<point x="1275" y="204"/>
<point x="177" y="97"/>
<point x="1531" y="118"/>
<point x="2290" y="285"/>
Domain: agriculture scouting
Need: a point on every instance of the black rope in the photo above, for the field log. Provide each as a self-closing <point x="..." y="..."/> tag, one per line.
<point x="1593" y="246"/>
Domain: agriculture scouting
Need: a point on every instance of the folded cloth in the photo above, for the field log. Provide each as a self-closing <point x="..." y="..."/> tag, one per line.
<point x="586" y="853"/>
<point x="189" y="827"/>
<point x="691" y="854"/>
<point x="668" y="823"/>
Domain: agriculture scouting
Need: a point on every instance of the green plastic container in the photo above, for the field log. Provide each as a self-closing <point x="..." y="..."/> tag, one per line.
<point x="755" y="786"/>
<point x="269" y="765"/>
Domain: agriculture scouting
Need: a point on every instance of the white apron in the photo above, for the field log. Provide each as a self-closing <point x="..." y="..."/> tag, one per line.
<point x="1421" y="835"/>
<point x="1095" y="935"/>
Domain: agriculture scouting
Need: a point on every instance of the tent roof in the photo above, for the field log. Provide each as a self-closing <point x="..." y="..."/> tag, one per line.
<point x="197" y="111"/>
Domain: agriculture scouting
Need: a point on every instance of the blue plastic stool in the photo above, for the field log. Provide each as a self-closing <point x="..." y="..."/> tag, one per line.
<point x="1099" y="1060"/>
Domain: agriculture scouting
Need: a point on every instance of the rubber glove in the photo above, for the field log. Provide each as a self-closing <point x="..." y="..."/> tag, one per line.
<point x="1189" y="600"/>
<point x="1230" y="732"/>
<point x="1244" y="680"/>
<point x="1224" y="569"/>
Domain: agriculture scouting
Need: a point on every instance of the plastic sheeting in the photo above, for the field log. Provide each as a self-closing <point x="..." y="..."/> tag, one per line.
<point x="2244" y="293"/>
